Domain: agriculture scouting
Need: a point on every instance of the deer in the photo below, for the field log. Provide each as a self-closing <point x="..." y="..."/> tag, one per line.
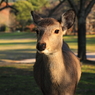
<point x="57" y="70"/>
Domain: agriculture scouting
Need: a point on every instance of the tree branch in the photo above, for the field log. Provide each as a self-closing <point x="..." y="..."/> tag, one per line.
<point x="6" y="1"/>
<point x="82" y="4"/>
<point x="8" y="6"/>
<point x="73" y="6"/>
<point x="53" y="10"/>
<point x="88" y="9"/>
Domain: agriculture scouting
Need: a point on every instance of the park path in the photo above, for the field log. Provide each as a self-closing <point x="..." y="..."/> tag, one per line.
<point x="90" y="56"/>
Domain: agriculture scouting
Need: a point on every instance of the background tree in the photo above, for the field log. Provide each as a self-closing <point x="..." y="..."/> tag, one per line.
<point x="39" y="4"/>
<point x="6" y="17"/>
<point x="24" y="8"/>
<point x="7" y="5"/>
<point x="82" y="8"/>
<point x="82" y="12"/>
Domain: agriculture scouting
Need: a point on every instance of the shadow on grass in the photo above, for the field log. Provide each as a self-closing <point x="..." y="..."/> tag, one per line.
<point x="18" y="54"/>
<point x="17" y="35"/>
<point x="19" y="43"/>
<point x="15" y="81"/>
<point x="87" y="84"/>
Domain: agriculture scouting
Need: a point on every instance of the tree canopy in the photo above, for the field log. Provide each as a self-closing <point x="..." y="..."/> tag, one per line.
<point x="38" y="4"/>
<point x="24" y="8"/>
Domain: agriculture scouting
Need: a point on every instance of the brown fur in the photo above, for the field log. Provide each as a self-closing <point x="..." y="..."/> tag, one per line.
<point x="47" y="22"/>
<point x="56" y="70"/>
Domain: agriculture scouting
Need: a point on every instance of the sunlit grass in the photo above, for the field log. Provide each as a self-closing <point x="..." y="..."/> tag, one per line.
<point x="28" y="67"/>
<point x="23" y="45"/>
<point x="17" y="40"/>
<point x="88" y="68"/>
<point x="29" y="41"/>
<point x="87" y="83"/>
<point x="72" y="42"/>
<point x="16" y="47"/>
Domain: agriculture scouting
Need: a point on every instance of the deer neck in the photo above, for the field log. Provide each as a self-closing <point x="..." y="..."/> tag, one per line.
<point x="55" y="66"/>
<point x="55" y="58"/>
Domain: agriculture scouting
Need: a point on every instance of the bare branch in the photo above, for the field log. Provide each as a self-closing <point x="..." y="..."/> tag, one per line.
<point x="53" y="10"/>
<point x="6" y="1"/>
<point x="1" y="2"/>
<point x="88" y="9"/>
<point x="73" y="6"/>
<point x="7" y="6"/>
<point x="3" y="8"/>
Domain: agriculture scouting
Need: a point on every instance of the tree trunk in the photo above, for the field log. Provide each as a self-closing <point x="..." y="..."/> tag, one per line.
<point x="82" y="12"/>
<point x="82" y="36"/>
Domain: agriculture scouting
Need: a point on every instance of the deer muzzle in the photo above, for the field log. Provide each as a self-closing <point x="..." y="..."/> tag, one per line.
<point x="41" y="46"/>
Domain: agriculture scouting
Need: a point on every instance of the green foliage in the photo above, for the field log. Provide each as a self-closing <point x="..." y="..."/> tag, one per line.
<point x="23" y="16"/>
<point x="24" y="8"/>
<point x="38" y="4"/>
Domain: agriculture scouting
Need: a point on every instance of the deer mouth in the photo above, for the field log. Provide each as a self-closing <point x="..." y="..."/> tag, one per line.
<point x="44" y="51"/>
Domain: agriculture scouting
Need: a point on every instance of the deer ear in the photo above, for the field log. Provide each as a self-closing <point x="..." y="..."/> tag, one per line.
<point x="68" y="19"/>
<point x="36" y="17"/>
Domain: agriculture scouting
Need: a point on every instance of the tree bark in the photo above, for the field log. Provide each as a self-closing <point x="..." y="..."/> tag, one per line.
<point x="82" y="13"/>
<point x="54" y="9"/>
<point x="82" y="36"/>
<point x="82" y="31"/>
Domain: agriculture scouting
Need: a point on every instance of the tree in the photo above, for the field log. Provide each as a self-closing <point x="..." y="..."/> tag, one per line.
<point x="54" y="9"/>
<point x="7" y="5"/>
<point x="39" y="4"/>
<point x="24" y="8"/>
<point x="82" y="8"/>
<point x="82" y="12"/>
<point x="7" y="20"/>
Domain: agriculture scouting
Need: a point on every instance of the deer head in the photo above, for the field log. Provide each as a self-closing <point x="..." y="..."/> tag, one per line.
<point x="50" y="31"/>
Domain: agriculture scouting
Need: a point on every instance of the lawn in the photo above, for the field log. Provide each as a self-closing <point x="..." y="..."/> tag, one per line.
<point x="72" y="41"/>
<point x="17" y="79"/>
<point x="16" y="46"/>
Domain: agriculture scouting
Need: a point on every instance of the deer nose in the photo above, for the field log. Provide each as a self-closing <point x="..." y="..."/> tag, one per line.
<point x="41" y="46"/>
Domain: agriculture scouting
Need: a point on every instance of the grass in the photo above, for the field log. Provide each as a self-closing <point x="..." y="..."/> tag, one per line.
<point x="72" y="41"/>
<point x="16" y="46"/>
<point x="87" y="82"/>
<point x="17" y="79"/>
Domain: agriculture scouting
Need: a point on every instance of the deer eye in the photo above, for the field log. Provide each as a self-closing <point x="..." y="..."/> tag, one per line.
<point x="56" y="31"/>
